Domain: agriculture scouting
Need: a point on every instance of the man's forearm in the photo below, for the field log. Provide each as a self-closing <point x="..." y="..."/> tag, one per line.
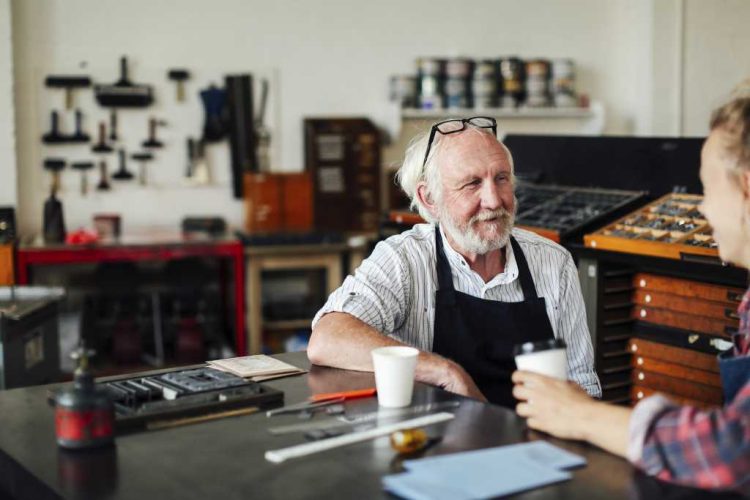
<point x="606" y="426"/>
<point x="342" y="341"/>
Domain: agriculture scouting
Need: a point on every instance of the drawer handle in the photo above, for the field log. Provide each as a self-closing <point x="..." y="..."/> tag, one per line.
<point x="692" y="339"/>
<point x="734" y="296"/>
<point x="731" y="313"/>
<point x="721" y="345"/>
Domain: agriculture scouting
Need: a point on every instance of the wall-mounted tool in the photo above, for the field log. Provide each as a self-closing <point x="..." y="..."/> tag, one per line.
<point x="54" y="136"/>
<point x="103" y="184"/>
<point x="152" y="141"/>
<point x="214" y="104"/>
<point x="83" y="166"/>
<point x="123" y="174"/>
<point x="53" y="224"/>
<point x="102" y="146"/>
<point x="143" y="158"/>
<point x="263" y="135"/>
<point x="68" y="84"/>
<point x="240" y="124"/>
<point x="179" y="76"/>
<point x="113" y="126"/>
<point x="197" y="170"/>
<point x="124" y="93"/>
<point x="79" y="135"/>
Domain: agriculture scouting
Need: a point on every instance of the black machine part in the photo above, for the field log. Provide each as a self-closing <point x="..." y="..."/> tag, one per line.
<point x="54" y="136"/>
<point x="7" y="224"/>
<point x="102" y="146"/>
<point x="79" y="135"/>
<point x="179" y="76"/>
<point x="242" y="140"/>
<point x="83" y="167"/>
<point x="103" y="184"/>
<point x="124" y="93"/>
<point x="68" y="84"/>
<point x="123" y="174"/>
<point x="53" y="224"/>
<point x="84" y="414"/>
<point x="113" y="125"/>
<point x="143" y="158"/>
<point x="152" y="141"/>
<point x="54" y="166"/>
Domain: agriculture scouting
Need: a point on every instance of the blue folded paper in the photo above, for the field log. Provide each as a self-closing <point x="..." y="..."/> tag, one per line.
<point x="483" y="473"/>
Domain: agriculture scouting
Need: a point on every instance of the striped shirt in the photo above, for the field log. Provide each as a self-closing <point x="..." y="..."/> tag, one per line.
<point x="393" y="290"/>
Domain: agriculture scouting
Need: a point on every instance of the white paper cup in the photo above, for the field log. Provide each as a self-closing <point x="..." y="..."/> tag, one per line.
<point x="547" y="357"/>
<point x="394" y="375"/>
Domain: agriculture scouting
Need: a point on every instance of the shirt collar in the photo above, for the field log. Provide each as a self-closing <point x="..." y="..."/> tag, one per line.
<point x="457" y="261"/>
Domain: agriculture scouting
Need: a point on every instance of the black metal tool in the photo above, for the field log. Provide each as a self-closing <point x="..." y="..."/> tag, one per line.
<point x="143" y="158"/>
<point x="54" y="166"/>
<point x="123" y="174"/>
<point x="103" y="184"/>
<point x="53" y="224"/>
<point x="68" y="84"/>
<point x="124" y="93"/>
<point x="179" y="76"/>
<point x="102" y="146"/>
<point x="113" y="125"/>
<point x="79" y="135"/>
<point x="152" y="141"/>
<point x="83" y="166"/>
<point x="54" y="136"/>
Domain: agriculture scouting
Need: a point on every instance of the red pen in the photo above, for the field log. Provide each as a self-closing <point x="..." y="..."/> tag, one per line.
<point x="360" y="393"/>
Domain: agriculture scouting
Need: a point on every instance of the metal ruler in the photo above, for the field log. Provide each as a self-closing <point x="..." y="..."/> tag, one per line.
<point x="301" y="450"/>
<point x="353" y="421"/>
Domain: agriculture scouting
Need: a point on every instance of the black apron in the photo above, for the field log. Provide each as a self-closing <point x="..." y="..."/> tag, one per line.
<point x="479" y="334"/>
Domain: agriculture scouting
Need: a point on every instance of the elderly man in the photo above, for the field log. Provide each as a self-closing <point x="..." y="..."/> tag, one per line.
<point x="465" y="288"/>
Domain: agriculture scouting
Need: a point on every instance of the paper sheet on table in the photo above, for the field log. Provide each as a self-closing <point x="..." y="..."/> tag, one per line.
<point x="540" y="452"/>
<point x="483" y="473"/>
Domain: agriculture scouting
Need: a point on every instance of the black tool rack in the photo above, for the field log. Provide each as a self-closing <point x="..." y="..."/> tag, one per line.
<point x="565" y="212"/>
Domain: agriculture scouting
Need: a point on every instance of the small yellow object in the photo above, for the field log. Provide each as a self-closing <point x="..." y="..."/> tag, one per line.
<point x="408" y="440"/>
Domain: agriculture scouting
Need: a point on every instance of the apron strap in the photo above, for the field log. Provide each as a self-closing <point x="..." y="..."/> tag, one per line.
<point x="444" y="275"/>
<point x="524" y="275"/>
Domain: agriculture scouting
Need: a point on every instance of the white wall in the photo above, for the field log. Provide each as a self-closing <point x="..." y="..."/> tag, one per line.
<point x="8" y="179"/>
<point x="330" y="57"/>
<point x="658" y="66"/>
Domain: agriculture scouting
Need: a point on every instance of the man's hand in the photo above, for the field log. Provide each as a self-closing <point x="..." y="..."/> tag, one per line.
<point x="555" y="406"/>
<point x="456" y="380"/>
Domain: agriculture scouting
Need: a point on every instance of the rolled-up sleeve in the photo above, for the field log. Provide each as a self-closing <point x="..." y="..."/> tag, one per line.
<point x="574" y="330"/>
<point x="378" y="292"/>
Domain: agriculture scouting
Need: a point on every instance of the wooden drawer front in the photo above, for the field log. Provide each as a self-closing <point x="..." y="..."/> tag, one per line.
<point x="684" y="321"/>
<point x="674" y="355"/>
<point x="638" y="392"/>
<point x="688" y="288"/>
<point x="6" y="265"/>
<point x="683" y="372"/>
<point x="716" y="310"/>
<point x="677" y="386"/>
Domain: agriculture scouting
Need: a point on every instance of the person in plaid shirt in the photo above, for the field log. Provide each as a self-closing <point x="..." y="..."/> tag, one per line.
<point x="683" y="444"/>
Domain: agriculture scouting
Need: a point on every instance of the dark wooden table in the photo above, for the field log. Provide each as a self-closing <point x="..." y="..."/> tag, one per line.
<point x="224" y="459"/>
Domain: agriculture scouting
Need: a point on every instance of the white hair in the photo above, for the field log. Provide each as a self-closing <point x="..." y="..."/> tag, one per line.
<point x="412" y="173"/>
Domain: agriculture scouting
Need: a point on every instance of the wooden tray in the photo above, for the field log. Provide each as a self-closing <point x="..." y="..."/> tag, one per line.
<point x="689" y="322"/>
<point x="688" y="305"/>
<point x="669" y="227"/>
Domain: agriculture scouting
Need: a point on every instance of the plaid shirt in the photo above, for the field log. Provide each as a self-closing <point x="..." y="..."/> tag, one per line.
<point x="695" y="447"/>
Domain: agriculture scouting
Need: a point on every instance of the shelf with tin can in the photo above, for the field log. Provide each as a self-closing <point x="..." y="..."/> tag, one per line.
<point x="670" y="227"/>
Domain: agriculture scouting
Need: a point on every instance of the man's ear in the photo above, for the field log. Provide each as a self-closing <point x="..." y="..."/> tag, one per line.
<point x="426" y="199"/>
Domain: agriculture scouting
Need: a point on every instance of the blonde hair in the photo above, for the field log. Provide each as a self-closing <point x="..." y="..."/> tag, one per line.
<point x="734" y="119"/>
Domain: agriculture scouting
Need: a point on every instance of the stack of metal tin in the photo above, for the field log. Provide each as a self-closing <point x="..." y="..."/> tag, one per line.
<point x="462" y="83"/>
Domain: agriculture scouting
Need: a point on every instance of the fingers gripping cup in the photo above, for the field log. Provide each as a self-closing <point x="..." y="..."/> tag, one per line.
<point x="547" y="357"/>
<point x="394" y="375"/>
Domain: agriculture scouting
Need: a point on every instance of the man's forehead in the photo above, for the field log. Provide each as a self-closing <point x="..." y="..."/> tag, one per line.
<point x="468" y="150"/>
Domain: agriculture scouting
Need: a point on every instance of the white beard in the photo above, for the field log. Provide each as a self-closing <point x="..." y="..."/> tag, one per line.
<point x="469" y="240"/>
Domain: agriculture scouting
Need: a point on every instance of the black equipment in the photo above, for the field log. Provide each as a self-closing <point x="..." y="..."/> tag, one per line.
<point x="241" y="128"/>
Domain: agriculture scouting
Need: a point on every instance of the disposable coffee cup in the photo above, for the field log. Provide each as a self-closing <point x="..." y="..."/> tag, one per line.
<point x="394" y="375"/>
<point x="547" y="357"/>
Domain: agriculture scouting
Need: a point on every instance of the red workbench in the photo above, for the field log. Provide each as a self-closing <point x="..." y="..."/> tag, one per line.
<point x="161" y="246"/>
